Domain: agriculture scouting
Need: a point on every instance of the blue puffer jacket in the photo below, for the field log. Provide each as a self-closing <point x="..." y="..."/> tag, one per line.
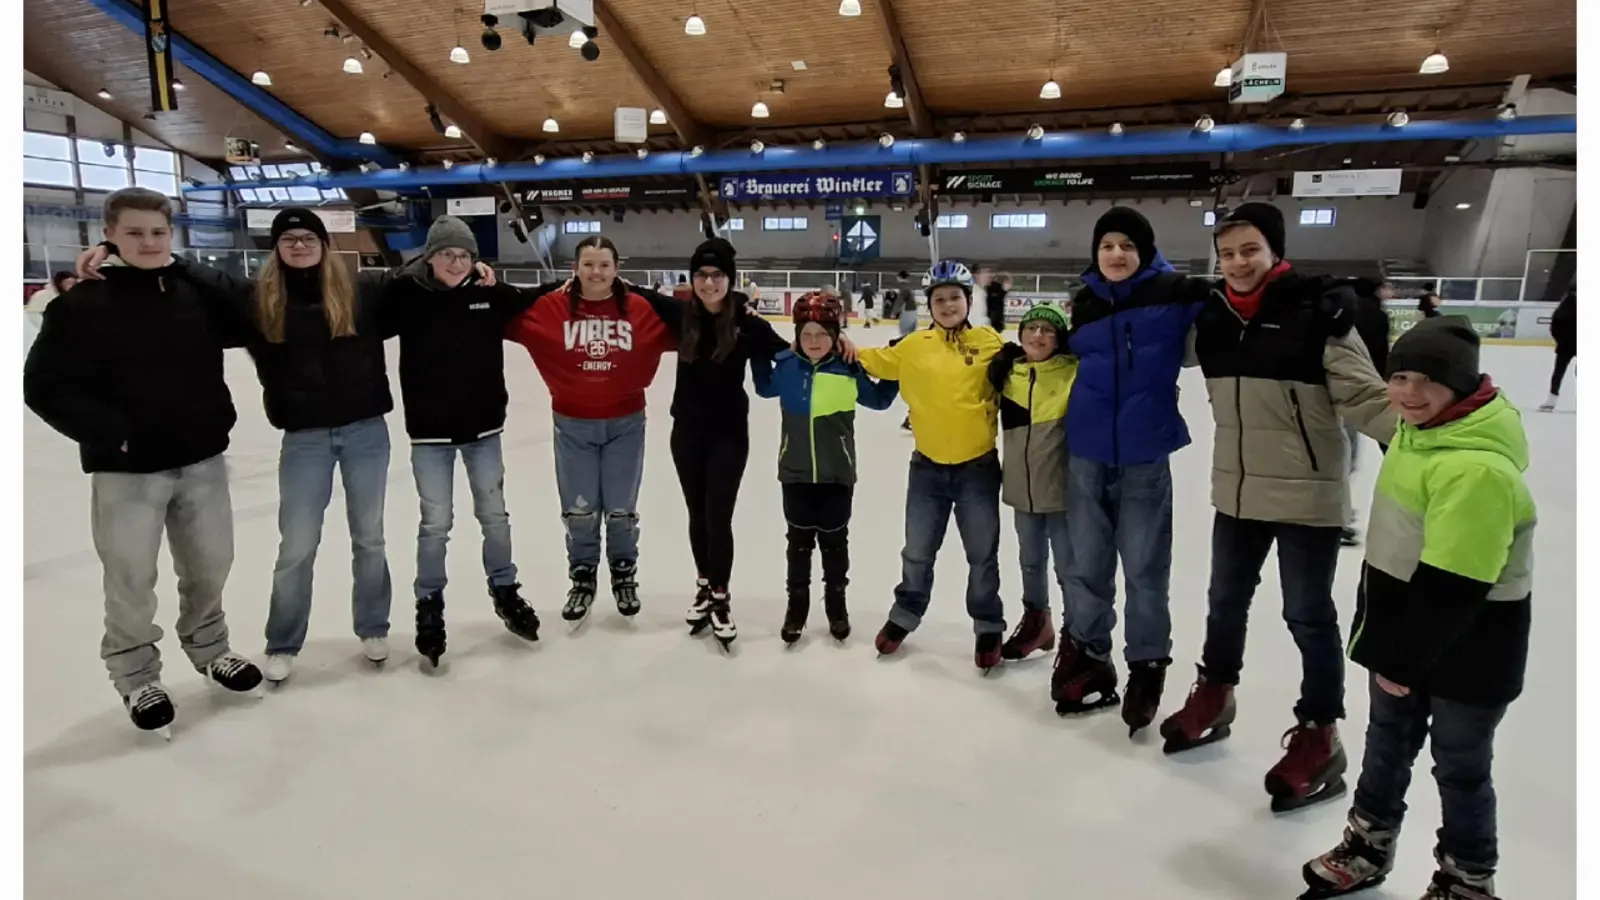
<point x="1129" y="338"/>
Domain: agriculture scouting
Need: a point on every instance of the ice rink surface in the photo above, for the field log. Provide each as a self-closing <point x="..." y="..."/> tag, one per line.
<point x="630" y="760"/>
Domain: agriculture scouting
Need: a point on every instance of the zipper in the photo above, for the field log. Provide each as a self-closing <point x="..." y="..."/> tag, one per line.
<point x="845" y="446"/>
<point x="1116" y="388"/>
<point x="1127" y="330"/>
<point x="1027" y="440"/>
<point x="1238" y="407"/>
<point x="811" y="418"/>
<point x="1299" y="420"/>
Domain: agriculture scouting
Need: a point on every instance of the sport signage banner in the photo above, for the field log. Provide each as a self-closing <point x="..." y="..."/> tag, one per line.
<point x="1087" y="179"/>
<point x="610" y="193"/>
<point x="1348" y="183"/>
<point x="1258" y="77"/>
<point x="884" y="183"/>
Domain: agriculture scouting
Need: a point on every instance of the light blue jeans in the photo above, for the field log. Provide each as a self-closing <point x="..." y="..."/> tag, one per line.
<point x="1120" y="512"/>
<point x="434" y="466"/>
<point x="599" y="465"/>
<point x="360" y="451"/>
<point x="1039" y="536"/>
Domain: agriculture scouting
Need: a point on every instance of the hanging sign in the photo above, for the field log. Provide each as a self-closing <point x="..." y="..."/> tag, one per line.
<point x="1086" y="179"/>
<point x="158" y="56"/>
<point x="43" y="99"/>
<point x="635" y="194"/>
<point x="818" y="186"/>
<point x="470" y="206"/>
<point x="1348" y="183"/>
<point x="241" y="151"/>
<point x="337" y="221"/>
<point x="631" y="124"/>
<point x="1258" y="77"/>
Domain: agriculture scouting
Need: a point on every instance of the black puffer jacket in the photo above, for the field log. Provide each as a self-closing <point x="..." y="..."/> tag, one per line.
<point x="709" y="394"/>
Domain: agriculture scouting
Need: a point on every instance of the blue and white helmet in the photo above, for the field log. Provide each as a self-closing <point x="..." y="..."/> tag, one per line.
<point x="948" y="271"/>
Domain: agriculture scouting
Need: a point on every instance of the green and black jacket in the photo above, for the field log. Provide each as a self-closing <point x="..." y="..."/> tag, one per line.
<point x="1033" y="427"/>
<point x="818" y="400"/>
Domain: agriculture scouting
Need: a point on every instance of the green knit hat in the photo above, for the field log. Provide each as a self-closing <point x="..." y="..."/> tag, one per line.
<point x="1049" y="312"/>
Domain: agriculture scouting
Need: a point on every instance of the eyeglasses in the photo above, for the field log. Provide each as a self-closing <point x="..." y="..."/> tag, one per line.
<point x="714" y="275"/>
<point x="304" y="240"/>
<point x="454" y="259"/>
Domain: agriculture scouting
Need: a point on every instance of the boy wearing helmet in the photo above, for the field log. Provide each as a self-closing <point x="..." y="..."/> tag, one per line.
<point x="818" y="393"/>
<point x="943" y="376"/>
<point x="1034" y="381"/>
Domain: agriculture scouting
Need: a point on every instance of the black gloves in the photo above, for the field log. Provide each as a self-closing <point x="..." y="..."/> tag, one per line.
<point x="1000" y="365"/>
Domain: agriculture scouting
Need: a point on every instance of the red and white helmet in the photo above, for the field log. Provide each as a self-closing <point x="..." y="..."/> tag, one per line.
<point x="815" y="306"/>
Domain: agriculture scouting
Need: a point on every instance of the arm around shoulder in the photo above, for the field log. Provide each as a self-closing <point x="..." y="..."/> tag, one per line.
<point x="1357" y="390"/>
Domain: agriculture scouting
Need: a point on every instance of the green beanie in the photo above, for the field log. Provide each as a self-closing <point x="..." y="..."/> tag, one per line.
<point x="1049" y="312"/>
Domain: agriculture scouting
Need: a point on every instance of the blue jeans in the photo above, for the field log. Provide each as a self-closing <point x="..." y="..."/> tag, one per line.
<point x="360" y="451"/>
<point x="972" y="491"/>
<point x="1307" y="558"/>
<point x="434" y="466"/>
<point x="1120" y="511"/>
<point x="1039" y="535"/>
<point x="1462" y="738"/>
<point x="599" y="465"/>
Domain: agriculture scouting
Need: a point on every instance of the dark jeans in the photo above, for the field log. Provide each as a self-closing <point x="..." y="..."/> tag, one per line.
<point x="1462" y="738"/>
<point x="1564" y="358"/>
<point x="1120" y="512"/>
<point x="710" y="466"/>
<point x="1307" y="557"/>
<point x="972" y="491"/>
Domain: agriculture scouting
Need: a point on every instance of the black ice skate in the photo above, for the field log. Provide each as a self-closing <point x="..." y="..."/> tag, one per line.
<point x="986" y="651"/>
<point x="518" y="616"/>
<point x="1080" y="683"/>
<point x="722" y="627"/>
<point x="889" y="639"/>
<point x="794" y="617"/>
<point x="625" y="586"/>
<point x="232" y="672"/>
<point x="838" y="616"/>
<point x="1349" y="537"/>
<point x="1207" y="716"/>
<point x="151" y="709"/>
<point x="1311" y="769"/>
<point x="430" y="627"/>
<point x="1450" y="883"/>
<point x="581" y="596"/>
<point x="1146" y="680"/>
<point x="1362" y="860"/>
<point x="699" y="614"/>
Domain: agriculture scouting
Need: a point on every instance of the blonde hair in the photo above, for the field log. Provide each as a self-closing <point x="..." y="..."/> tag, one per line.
<point x="338" y="298"/>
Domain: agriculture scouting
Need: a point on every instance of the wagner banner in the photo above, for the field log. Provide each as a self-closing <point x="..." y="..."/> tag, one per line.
<point x="555" y="193"/>
<point x="158" y="53"/>
<point x="1086" y="179"/>
<point x="884" y="183"/>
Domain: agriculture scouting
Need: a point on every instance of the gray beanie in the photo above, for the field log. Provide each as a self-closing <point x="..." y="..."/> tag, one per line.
<point x="1444" y="348"/>
<point x="449" y="233"/>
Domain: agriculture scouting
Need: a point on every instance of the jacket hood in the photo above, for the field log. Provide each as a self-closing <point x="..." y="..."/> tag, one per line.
<point x="1495" y="427"/>
<point x="1105" y="290"/>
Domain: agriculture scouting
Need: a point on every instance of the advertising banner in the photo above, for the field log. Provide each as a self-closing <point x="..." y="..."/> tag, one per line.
<point x="1181" y="176"/>
<point x="884" y="183"/>
<point x="1500" y="321"/>
<point x="1348" y="183"/>
<point x="636" y="194"/>
<point x="1258" y="77"/>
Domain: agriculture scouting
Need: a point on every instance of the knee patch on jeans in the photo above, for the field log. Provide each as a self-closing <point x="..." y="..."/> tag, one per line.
<point x="578" y="515"/>
<point x="619" y="515"/>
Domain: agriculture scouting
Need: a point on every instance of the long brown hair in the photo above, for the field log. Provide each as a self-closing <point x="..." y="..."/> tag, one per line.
<point x="724" y="324"/>
<point x="619" y="291"/>
<point x="338" y="297"/>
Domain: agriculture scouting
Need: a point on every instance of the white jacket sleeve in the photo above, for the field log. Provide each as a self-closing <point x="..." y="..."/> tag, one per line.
<point x="978" y="315"/>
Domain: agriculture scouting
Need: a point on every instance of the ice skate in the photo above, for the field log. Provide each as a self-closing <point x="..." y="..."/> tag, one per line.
<point x="838" y="617"/>
<point x="580" y="598"/>
<point x="889" y="639"/>
<point x="1034" y="633"/>
<point x="430" y="627"/>
<point x="518" y="616"/>
<point x="987" y="652"/>
<point x="232" y="672"/>
<point x="722" y="627"/>
<point x="277" y="668"/>
<point x="1080" y="683"/>
<point x="1311" y="769"/>
<point x="1549" y="405"/>
<point x="1349" y="537"/>
<point x="1450" y="883"/>
<point x="376" y="650"/>
<point x="1146" y="681"/>
<point x="1362" y="860"/>
<point x="151" y="709"/>
<point x="699" y="614"/>
<point x="794" y="617"/>
<point x="625" y="586"/>
<point x="1206" y="717"/>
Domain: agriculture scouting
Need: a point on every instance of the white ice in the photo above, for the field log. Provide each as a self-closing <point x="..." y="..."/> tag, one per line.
<point x="631" y="760"/>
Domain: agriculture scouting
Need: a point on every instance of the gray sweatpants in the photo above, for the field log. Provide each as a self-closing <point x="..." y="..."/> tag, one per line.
<point x="128" y="515"/>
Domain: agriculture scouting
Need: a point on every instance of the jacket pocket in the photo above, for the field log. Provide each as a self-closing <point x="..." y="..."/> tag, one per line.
<point x="1300" y="422"/>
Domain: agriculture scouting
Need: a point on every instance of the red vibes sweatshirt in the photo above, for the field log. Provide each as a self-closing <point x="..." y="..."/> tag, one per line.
<point x="596" y="359"/>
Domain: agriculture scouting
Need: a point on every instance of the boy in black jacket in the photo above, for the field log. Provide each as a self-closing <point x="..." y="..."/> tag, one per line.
<point x="452" y="381"/>
<point x="130" y="368"/>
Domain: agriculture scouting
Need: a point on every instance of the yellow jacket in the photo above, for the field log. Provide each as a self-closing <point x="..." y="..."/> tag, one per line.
<point x="944" y="379"/>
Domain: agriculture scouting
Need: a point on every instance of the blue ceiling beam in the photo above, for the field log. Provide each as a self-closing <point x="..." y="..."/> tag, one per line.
<point x="305" y="132"/>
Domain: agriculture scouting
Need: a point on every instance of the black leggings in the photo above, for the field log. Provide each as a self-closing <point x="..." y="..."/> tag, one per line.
<point x="710" y="466"/>
<point x="1564" y="358"/>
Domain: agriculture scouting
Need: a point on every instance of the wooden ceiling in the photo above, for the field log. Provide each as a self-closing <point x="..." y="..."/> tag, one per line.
<point x="977" y="63"/>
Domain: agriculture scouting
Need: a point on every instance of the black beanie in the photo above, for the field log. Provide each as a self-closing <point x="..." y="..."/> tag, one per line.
<point x="1266" y="218"/>
<point x="290" y="219"/>
<point x="718" y="254"/>
<point x="1444" y="348"/>
<point x="1131" y="223"/>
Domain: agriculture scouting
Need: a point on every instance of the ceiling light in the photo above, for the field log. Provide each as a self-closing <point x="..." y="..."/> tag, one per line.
<point x="1399" y="119"/>
<point x="261" y="79"/>
<point x="1050" y="91"/>
<point x="885" y="141"/>
<point x="352" y="65"/>
<point x="959" y="137"/>
<point x="642" y="152"/>
<point x="799" y="65"/>
<point x="458" y="54"/>
<point x="1196" y="204"/>
<point x="490" y="163"/>
<point x="449" y="164"/>
<point x="658" y="117"/>
<point x="694" y="26"/>
<point x="759" y="111"/>
<point x="1035" y="132"/>
<point x="104" y="94"/>
<point x="1224" y="78"/>
<point x="1507" y="113"/>
<point x="577" y="40"/>
<point x="1435" y="64"/>
<point x="538" y="159"/>
<point x="850" y="7"/>
<point x="367" y="138"/>
<point x="819" y="144"/>
<point x="757" y="147"/>
<point x="491" y="38"/>
<point x="697" y="150"/>
<point x="453" y="131"/>
<point x="861" y="209"/>
<point x="1297" y="125"/>
<point x="1452" y="158"/>
<point x="892" y="101"/>
<point x="289" y="146"/>
<point x="551" y="126"/>
<point x="1116" y="128"/>
<point x="1463" y="206"/>
<point x="1204" y="124"/>
<point x="588" y="156"/>
<point x="1348" y="160"/>
<point x="404" y="167"/>
<point x="178" y="85"/>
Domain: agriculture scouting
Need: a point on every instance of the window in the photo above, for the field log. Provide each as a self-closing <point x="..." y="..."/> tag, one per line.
<point x="581" y="226"/>
<point x="47" y="159"/>
<point x="1017" y="220"/>
<point x="155" y="169"/>
<point x="733" y="225"/>
<point x="102" y="165"/>
<point x="951" y="220"/>
<point x="1317" y="218"/>
<point x="784" y="223"/>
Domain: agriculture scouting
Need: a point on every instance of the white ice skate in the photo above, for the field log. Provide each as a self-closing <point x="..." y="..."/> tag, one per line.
<point x="277" y="668"/>
<point x="376" y="650"/>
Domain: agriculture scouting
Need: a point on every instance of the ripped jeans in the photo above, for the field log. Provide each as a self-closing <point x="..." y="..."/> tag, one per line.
<point x="599" y="466"/>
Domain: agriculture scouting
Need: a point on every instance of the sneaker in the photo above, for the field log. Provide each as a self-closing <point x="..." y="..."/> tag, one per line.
<point x="278" y="667"/>
<point x="376" y="649"/>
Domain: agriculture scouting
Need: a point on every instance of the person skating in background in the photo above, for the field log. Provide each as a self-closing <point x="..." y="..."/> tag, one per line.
<point x="60" y="283"/>
<point x="995" y="287"/>
<point x="1130" y="327"/>
<point x="1428" y="302"/>
<point x="1282" y="366"/>
<point x="869" y="295"/>
<point x="1564" y="328"/>
<point x="711" y="423"/>
<point x="1443" y="614"/>
<point x="683" y="290"/>
<point x="130" y="369"/>
<point x="598" y="343"/>
<point x="1372" y="326"/>
<point x="907" y="317"/>
<point x="1034" y="381"/>
<point x="817" y="392"/>
<point x="453" y="384"/>
<point x="943" y="375"/>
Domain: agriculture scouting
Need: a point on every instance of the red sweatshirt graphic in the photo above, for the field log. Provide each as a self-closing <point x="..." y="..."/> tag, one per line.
<point x="596" y="361"/>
